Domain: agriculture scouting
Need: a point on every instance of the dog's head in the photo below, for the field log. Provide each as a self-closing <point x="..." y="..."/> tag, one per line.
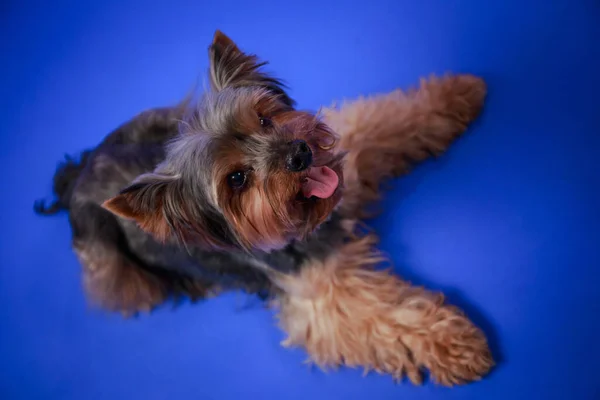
<point x="246" y="170"/>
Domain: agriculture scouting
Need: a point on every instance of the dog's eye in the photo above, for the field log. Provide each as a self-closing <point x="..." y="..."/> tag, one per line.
<point x="264" y="122"/>
<point x="237" y="179"/>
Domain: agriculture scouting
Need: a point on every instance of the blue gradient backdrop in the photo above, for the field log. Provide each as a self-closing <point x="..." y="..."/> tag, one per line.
<point x="507" y="222"/>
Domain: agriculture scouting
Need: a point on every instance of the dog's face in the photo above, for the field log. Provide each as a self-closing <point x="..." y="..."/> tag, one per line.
<point x="247" y="170"/>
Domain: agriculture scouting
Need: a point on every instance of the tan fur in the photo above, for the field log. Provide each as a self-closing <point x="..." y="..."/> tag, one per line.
<point x="385" y="134"/>
<point x="344" y="312"/>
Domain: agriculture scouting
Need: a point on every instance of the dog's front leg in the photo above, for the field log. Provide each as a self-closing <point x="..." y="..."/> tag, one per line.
<point x="344" y="312"/>
<point x="385" y="134"/>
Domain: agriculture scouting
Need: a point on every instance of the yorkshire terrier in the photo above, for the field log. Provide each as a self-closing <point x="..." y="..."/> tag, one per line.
<point x="239" y="190"/>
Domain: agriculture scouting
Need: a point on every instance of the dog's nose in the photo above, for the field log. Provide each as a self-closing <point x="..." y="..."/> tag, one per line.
<point x="299" y="156"/>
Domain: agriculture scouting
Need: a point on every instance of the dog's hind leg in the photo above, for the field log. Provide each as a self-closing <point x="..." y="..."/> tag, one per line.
<point x="113" y="277"/>
<point x="385" y="134"/>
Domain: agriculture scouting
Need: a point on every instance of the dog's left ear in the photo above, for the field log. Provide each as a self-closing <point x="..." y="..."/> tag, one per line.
<point x="230" y="67"/>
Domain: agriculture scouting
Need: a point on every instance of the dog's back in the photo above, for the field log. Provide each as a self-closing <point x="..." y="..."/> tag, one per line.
<point x="147" y="130"/>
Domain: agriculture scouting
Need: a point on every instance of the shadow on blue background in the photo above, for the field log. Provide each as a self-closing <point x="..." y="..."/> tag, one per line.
<point x="506" y="223"/>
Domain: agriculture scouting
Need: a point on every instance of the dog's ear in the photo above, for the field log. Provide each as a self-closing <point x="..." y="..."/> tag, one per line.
<point x="156" y="202"/>
<point x="230" y="67"/>
<point x="146" y="201"/>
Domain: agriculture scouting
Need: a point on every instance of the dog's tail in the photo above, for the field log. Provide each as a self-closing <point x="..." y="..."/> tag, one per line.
<point x="64" y="180"/>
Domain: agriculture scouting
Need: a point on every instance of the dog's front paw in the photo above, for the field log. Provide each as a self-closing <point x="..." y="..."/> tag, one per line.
<point x="450" y="346"/>
<point x="116" y="283"/>
<point x="460" y="353"/>
<point x="457" y="97"/>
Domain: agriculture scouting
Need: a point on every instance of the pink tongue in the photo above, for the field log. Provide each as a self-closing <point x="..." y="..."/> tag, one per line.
<point x="321" y="182"/>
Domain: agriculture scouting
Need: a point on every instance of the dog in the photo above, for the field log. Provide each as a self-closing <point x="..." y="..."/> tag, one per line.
<point x="239" y="190"/>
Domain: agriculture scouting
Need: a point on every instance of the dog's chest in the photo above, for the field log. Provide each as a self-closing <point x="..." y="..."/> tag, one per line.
<point x="320" y="245"/>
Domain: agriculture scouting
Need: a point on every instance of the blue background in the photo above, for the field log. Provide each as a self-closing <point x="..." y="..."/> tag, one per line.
<point x="507" y="222"/>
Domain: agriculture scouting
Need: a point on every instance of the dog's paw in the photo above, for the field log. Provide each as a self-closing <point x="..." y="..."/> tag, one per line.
<point x="463" y="95"/>
<point x="458" y="99"/>
<point x="452" y="348"/>
<point x="116" y="283"/>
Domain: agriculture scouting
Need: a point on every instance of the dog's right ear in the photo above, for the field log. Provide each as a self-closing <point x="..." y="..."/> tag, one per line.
<point x="146" y="202"/>
<point x="230" y="67"/>
<point x="155" y="201"/>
